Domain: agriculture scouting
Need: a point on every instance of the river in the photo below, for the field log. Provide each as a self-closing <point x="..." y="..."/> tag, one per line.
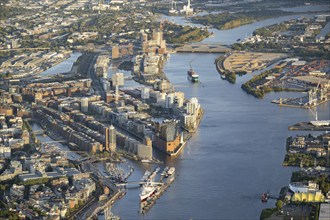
<point x="236" y="153"/>
<point x="230" y="36"/>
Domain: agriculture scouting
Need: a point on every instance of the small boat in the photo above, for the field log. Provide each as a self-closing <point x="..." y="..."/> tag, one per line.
<point x="145" y="176"/>
<point x="170" y="172"/>
<point x="164" y="171"/>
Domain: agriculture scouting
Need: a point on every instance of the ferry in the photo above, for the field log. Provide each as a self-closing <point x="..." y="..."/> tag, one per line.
<point x="192" y="75"/>
<point x="147" y="191"/>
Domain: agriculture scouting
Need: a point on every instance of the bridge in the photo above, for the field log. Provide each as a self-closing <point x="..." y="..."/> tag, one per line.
<point x="38" y="132"/>
<point x="52" y="142"/>
<point x="138" y="182"/>
<point x="202" y="48"/>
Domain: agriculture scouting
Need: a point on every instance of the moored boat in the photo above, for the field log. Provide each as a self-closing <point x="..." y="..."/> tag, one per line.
<point x="170" y="171"/>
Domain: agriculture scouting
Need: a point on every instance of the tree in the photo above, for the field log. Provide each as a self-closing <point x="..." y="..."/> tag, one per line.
<point x="279" y="205"/>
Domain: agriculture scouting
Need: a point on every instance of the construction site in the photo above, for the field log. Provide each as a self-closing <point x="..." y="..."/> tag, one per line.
<point x="315" y="96"/>
<point x="249" y="62"/>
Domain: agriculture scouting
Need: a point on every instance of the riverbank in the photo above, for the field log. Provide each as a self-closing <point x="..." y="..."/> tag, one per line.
<point x="178" y="34"/>
<point x="224" y="21"/>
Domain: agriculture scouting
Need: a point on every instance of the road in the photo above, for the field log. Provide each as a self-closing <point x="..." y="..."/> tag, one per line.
<point x="97" y="85"/>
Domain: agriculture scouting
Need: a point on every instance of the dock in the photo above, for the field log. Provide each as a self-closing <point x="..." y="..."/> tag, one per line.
<point x="202" y="48"/>
<point x="145" y="206"/>
<point x="301" y="102"/>
<point x="306" y="126"/>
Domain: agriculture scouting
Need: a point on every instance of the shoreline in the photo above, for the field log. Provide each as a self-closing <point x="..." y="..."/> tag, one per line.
<point x="289" y="13"/>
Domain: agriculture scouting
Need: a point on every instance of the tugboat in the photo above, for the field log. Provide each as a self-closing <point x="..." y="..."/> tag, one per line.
<point x="192" y="75"/>
<point x="264" y="197"/>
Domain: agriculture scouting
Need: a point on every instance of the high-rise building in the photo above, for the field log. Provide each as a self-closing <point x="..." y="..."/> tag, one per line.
<point x="106" y="144"/>
<point x="112" y="138"/>
<point x="118" y="79"/>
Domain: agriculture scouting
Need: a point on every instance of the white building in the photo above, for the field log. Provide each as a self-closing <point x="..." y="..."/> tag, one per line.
<point x="84" y="105"/>
<point x="145" y="92"/>
<point x="300" y="187"/>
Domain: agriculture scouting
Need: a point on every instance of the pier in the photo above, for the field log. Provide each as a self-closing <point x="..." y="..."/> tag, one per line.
<point x="307" y="126"/>
<point x="202" y="48"/>
<point x="145" y="206"/>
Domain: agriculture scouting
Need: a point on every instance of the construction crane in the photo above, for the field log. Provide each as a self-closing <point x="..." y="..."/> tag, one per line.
<point x="314" y="113"/>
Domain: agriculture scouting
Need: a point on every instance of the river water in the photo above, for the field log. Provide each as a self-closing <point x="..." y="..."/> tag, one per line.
<point x="236" y="153"/>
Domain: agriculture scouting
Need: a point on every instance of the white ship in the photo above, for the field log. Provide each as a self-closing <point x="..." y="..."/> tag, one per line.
<point x="147" y="191"/>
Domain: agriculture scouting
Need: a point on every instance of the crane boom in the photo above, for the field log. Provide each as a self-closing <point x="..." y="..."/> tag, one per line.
<point x="314" y="113"/>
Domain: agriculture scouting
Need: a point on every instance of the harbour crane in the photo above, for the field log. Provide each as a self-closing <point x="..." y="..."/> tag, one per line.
<point x="314" y="113"/>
